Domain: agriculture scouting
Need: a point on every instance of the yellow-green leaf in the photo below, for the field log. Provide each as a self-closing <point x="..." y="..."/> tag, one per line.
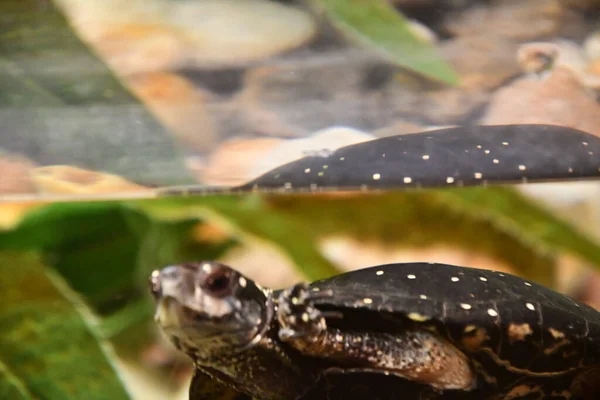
<point x="48" y="349"/>
<point x="377" y="25"/>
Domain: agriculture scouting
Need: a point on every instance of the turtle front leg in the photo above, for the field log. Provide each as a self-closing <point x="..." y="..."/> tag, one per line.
<point x="417" y="355"/>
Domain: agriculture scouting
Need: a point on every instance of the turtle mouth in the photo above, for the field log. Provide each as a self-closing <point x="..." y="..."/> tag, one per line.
<point x="170" y="329"/>
<point x="177" y="319"/>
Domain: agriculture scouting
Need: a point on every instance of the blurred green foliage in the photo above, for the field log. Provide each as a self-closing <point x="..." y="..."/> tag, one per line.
<point x="378" y="26"/>
<point x="105" y="251"/>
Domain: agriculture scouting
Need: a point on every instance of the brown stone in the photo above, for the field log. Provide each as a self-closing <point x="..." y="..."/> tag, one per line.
<point x="134" y="48"/>
<point x="179" y="105"/>
<point x="482" y="62"/>
<point x="231" y="163"/>
<point x="557" y="99"/>
<point x="14" y="175"/>
<point x="512" y="19"/>
<point x="66" y="179"/>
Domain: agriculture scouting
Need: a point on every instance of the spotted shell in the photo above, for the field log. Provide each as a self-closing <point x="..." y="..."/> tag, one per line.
<point x="508" y="326"/>
<point x="472" y="155"/>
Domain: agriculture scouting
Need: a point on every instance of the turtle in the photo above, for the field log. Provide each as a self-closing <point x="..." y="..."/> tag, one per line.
<point x="395" y="331"/>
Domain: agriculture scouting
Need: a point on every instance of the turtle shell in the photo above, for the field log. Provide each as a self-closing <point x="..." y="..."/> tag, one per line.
<point x="512" y="329"/>
<point x="466" y="155"/>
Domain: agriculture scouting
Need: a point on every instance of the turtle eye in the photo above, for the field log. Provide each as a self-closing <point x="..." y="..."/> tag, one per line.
<point x="217" y="283"/>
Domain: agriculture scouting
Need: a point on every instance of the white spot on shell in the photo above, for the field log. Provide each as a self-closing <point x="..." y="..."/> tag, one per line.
<point x="423" y="297"/>
<point x="527" y="284"/>
<point x="425" y="157"/>
<point x="407" y="179"/>
<point x="492" y="313"/>
<point x="530" y="306"/>
<point x="570" y="170"/>
<point x="478" y="175"/>
<point x="450" y="179"/>
<point x="495" y="161"/>
<point x="417" y="317"/>
<point x="376" y="177"/>
<point x="307" y="171"/>
<point x="206" y="267"/>
<point x="325" y="166"/>
<point x="379" y="273"/>
<point x="454" y="279"/>
<point x="584" y="143"/>
<point x="465" y="306"/>
<point x="411" y="276"/>
<point x="479" y="146"/>
<point x="483" y="279"/>
<point x="367" y="300"/>
<point x="522" y="167"/>
<point x="242" y="281"/>
<point x="315" y="289"/>
<point x="342" y="158"/>
<point x="504" y="143"/>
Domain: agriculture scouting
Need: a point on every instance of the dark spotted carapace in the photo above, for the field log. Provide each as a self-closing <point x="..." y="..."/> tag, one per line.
<point x="469" y="155"/>
<point x="513" y="329"/>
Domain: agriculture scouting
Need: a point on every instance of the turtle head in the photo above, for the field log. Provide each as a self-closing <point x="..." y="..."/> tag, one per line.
<point x="208" y="308"/>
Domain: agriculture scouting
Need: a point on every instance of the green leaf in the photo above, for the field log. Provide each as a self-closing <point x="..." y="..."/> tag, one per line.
<point x="377" y="25"/>
<point x="498" y="222"/>
<point x="106" y="250"/>
<point x="92" y="245"/>
<point x="250" y="216"/>
<point x="48" y="349"/>
<point x="59" y="104"/>
<point x="416" y="219"/>
<point x="513" y="212"/>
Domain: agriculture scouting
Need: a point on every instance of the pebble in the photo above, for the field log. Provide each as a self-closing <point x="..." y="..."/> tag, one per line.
<point x="15" y="172"/>
<point x="236" y="32"/>
<point x="483" y="62"/>
<point x="540" y="56"/>
<point x="65" y="179"/>
<point x="179" y="105"/>
<point x="537" y="57"/>
<point x="149" y="35"/>
<point x="301" y="96"/>
<point x="591" y="46"/>
<point x="240" y="160"/>
<point x="321" y="142"/>
<point x="230" y="163"/>
<point x="558" y="99"/>
<point x="516" y="20"/>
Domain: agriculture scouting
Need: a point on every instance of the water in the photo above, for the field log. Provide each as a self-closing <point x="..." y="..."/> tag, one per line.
<point x="167" y="143"/>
